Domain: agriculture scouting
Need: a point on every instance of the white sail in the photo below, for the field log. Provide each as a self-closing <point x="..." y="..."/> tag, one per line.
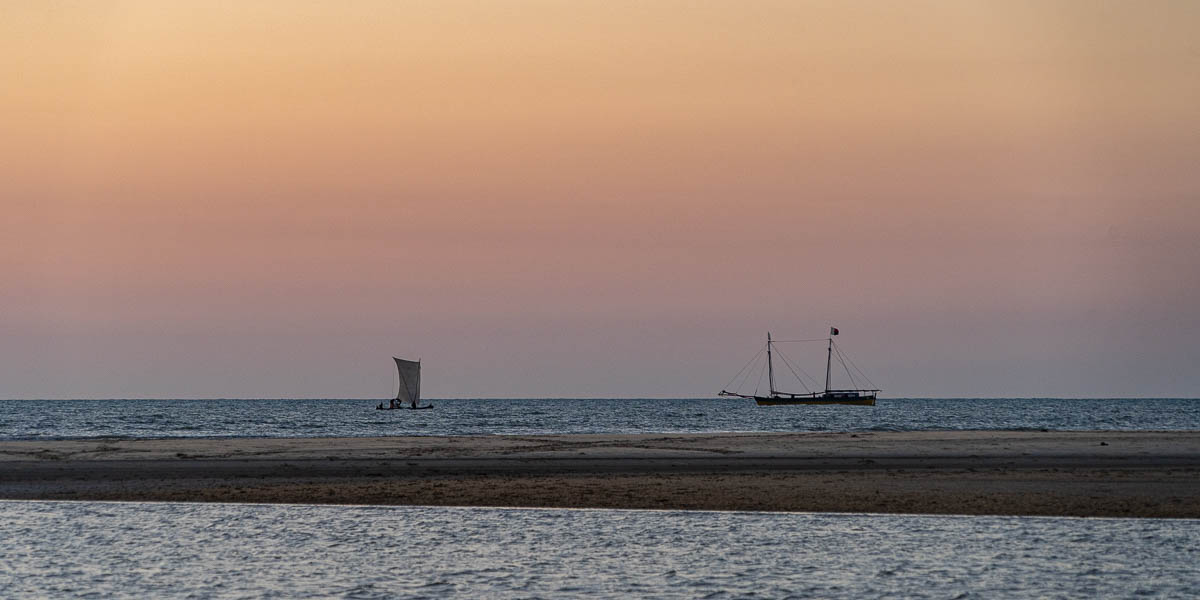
<point x="410" y="380"/>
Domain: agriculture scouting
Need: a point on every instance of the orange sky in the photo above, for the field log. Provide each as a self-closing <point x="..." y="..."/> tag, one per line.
<point x="596" y="198"/>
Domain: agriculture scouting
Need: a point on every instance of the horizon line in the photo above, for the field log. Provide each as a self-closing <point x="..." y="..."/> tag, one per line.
<point x="714" y="397"/>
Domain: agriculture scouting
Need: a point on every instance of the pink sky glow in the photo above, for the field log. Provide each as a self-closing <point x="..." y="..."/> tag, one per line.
<point x="597" y="199"/>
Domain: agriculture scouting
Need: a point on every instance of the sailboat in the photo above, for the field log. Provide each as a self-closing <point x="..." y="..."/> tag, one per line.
<point x="410" y="386"/>
<point x="857" y="396"/>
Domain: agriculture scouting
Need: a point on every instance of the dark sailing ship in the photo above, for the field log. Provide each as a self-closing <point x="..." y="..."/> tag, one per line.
<point x="860" y="396"/>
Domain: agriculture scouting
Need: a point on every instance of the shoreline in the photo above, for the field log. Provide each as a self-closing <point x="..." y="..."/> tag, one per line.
<point x="1093" y="473"/>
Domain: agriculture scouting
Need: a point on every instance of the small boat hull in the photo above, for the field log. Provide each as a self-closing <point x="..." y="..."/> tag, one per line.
<point x="864" y="400"/>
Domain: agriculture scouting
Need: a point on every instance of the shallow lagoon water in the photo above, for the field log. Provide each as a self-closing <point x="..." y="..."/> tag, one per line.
<point x="73" y="419"/>
<point x="96" y="549"/>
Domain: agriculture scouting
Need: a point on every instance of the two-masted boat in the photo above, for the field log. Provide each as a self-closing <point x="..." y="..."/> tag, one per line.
<point x="860" y="396"/>
<point x="410" y="386"/>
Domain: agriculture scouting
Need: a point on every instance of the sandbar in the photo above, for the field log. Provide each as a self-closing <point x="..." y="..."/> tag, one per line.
<point x="1090" y="473"/>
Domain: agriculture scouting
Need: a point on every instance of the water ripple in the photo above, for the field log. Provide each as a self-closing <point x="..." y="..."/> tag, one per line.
<point x="84" y="419"/>
<point x="89" y="549"/>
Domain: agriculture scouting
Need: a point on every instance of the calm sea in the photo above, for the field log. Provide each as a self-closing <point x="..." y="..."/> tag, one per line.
<point x="147" y="550"/>
<point x="66" y="419"/>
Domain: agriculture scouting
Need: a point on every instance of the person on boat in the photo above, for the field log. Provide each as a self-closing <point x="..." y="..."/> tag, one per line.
<point x="392" y="403"/>
<point x="414" y="403"/>
<point x="380" y="407"/>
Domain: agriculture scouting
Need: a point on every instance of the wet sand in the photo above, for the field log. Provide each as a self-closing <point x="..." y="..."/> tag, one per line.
<point x="1131" y="474"/>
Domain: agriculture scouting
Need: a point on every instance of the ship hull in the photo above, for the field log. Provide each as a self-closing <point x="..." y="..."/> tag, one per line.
<point x="866" y="400"/>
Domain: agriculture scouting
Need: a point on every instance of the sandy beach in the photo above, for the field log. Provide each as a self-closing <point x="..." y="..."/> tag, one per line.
<point x="1132" y="474"/>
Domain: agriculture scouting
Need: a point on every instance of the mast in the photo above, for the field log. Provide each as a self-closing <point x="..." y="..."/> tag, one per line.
<point x="828" y="361"/>
<point x="417" y="397"/>
<point x="770" y="366"/>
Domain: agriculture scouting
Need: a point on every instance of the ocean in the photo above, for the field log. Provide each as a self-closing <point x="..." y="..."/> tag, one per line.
<point x="182" y="550"/>
<point x="174" y="550"/>
<point x="82" y="419"/>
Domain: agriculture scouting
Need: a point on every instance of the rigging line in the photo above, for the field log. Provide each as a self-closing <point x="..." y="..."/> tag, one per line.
<point x="846" y="361"/>
<point x="758" y="382"/>
<point x="842" y="359"/>
<point x="759" y="361"/>
<point x="863" y="375"/>
<point x="793" y="369"/>
<point x="739" y="373"/>
<point x="797" y="341"/>
<point x="860" y="372"/>
<point x="788" y="361"/>
<point x="738" y="385"/>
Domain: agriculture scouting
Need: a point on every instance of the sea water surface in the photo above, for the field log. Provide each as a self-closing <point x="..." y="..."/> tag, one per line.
<point x="152" y="550"/>
<point x="74" y="419"/>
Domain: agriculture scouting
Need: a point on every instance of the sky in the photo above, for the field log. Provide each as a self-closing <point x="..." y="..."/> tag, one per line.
<point x="597" y="198"/>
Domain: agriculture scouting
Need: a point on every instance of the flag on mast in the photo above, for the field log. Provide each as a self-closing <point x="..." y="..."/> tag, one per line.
<point x="833" y="331"/>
